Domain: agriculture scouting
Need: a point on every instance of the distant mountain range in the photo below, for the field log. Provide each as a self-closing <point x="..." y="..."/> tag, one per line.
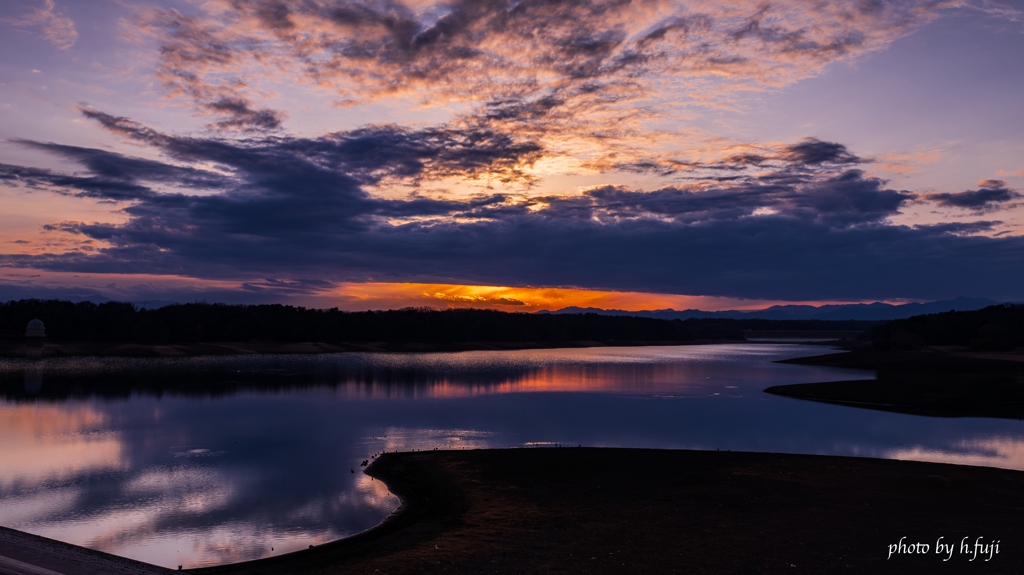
<point x="858" y="311"/>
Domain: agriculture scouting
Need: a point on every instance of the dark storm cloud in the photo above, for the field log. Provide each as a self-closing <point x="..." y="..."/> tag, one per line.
<point x="754" y="257"/>
<point x="441" y="152"/>
<point x="990" y="194"/>
<point x="841" y="200"/>
<point x="771" y="256"/>
<point x="962" y="228"/>
<point x="363" y="155"/>
<point x="296" y="208"/>
<point x="116" y="167"/>
<point x="810" y="154"/>
<point x="81" y="186"/>
<point x="812" y="151"/>
<point x="242" y="116"/>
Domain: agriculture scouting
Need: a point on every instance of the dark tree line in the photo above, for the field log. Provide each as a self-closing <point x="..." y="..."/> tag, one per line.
<point x="997" y="327"/>
<point x="204" y="322"/>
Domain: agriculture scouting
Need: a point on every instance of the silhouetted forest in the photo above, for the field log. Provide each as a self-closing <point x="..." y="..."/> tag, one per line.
<point x="997" y="327"/>
<point x="204" y="322"/>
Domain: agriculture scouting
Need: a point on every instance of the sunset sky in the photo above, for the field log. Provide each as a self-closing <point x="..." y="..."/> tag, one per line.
<point x="518" y="155"/>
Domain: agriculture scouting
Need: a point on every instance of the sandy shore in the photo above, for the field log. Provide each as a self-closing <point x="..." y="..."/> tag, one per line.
<point x="589" y="510"/>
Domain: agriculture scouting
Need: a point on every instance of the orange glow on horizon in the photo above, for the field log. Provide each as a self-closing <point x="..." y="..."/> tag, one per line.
<point x="361" y="296"/>
<point x="355" y="296"/>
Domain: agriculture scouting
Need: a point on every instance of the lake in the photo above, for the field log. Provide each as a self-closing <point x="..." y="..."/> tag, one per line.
<point x="211" y="460"/>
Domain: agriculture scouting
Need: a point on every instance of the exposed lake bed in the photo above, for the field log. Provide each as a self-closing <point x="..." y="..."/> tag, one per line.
<point x="270" y="459"/>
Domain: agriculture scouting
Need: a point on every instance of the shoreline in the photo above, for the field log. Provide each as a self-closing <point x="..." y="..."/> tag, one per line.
<point x="16" y="349"/>
<point x="937" y="382"/>
<point x="607" y="510"/>
<point x="78" y="349"/>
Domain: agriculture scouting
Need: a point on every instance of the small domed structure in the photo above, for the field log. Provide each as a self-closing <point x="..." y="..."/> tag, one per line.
<point x="35" y="335"/>
<point x="35" y="329"/>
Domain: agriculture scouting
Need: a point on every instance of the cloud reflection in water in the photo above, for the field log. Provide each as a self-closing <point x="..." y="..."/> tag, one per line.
<point x="211" y="460"/>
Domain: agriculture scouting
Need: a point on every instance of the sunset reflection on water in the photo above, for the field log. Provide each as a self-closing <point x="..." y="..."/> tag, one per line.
<point x="52" y="443"/>
<point x="679" y="371"/>
<point x="624" y="379"/>
<point x="1005" y="452"/>
<point x="212" y="460"/>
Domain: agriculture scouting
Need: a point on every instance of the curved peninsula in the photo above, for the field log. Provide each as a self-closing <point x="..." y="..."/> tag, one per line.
<point x="936" y="381"/>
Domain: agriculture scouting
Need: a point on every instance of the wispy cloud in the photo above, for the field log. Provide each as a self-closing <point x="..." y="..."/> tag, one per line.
<point x="999" y="10"/>
<point x="280" y="287"/>
<point x="51" y="23"/>
<point x="591" y="78"/>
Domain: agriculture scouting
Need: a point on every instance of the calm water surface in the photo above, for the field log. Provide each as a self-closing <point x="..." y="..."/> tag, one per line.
<point x="211" y="460"/>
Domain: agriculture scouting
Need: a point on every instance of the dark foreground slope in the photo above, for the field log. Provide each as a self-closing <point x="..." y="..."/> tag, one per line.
<point x="25" y="554"/>
<point x="586" y="510"/>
